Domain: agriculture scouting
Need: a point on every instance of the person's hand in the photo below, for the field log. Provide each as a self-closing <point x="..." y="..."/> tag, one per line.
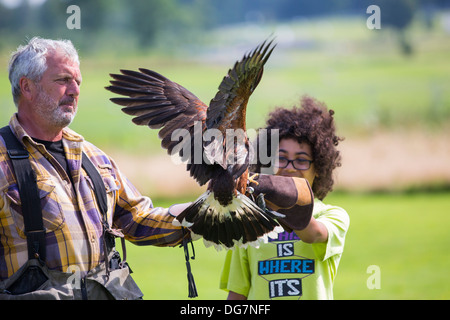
<point x="289" y="196"/>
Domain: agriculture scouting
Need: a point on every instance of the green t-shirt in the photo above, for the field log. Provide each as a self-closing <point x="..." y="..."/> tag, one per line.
<point x="288" y="268"/>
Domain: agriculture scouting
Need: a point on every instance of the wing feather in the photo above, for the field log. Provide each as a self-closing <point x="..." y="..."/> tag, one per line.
<point x="227" y="110"/>
<point x="237" y="86"/>
<point x="160" y="103"/>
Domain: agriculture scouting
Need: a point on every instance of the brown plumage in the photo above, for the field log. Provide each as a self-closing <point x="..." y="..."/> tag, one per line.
<point x="222" y="215"/>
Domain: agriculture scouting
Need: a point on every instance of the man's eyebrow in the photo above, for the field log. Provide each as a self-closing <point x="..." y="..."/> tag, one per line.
<point x="67" y="75"/>
<point x="63" y="75"/>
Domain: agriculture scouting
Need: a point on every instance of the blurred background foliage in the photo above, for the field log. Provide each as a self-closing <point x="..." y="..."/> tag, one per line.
<point x="142" y="24"/>
<point x="391" y="78"/>
<point x="388" y="87"/>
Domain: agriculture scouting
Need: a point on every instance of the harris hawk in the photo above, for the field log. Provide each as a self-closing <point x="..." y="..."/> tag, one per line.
<point x="223" y="215"/>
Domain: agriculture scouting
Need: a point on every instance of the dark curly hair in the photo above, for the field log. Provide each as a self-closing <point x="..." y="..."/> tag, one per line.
<point x="314" y="124"/>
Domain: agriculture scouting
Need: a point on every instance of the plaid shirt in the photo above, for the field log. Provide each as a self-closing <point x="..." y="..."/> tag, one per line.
<point x="71" y="216"/>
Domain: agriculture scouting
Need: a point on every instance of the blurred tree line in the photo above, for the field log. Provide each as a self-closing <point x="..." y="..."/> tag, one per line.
<point x="141" y="23"/>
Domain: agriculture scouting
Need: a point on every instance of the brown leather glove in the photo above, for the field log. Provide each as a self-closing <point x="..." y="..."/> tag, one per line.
<point x="289" y="196"/>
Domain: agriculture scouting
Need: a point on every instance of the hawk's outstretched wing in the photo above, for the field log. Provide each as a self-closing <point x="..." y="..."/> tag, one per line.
<point x="160" y="103"/>
<point x="227" y="110"/>
<point x="223" y="215"/>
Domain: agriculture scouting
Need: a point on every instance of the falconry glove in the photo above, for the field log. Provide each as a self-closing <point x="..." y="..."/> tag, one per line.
<point x="289" y="196"/>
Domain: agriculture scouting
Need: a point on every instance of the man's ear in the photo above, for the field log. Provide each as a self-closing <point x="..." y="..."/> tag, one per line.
<point x="26" y="88"/>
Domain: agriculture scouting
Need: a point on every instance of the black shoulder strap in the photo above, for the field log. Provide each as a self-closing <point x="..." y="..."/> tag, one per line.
<point x="29" y="195"/>
<point x="100" y="195"/>
<point x="97" y="181"/>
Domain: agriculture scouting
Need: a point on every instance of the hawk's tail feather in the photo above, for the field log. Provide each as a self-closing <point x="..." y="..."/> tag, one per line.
<point x="241" y="223"/>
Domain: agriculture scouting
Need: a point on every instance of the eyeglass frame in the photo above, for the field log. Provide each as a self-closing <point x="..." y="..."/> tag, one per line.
<point x="293" y="165"/>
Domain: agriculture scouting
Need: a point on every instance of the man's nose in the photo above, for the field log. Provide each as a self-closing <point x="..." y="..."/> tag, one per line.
<point x="73" y="89"/>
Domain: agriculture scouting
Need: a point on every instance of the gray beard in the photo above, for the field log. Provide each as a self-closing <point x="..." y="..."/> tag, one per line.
<point x="53" y="111"/>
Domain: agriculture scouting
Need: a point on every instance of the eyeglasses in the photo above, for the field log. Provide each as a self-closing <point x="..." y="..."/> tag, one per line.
<point x="299" y="164"/>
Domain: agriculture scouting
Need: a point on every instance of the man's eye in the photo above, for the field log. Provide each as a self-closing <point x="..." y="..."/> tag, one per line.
<point x="63" y="80"/>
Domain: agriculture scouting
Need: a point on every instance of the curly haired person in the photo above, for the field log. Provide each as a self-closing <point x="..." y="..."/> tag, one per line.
<point x="299" y="264"/>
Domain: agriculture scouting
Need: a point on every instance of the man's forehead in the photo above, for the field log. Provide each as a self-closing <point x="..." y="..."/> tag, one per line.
<point x="58" y="62"/>
<point x="58" y="59"/>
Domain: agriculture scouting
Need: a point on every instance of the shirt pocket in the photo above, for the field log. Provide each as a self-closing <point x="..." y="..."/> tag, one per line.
<point x="111" y="187"/>
<point x="106" y="172"/>
<point x="52" y="214"/>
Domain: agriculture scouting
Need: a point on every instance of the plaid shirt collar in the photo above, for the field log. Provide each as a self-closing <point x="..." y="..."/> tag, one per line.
<point x="23" y="136"/>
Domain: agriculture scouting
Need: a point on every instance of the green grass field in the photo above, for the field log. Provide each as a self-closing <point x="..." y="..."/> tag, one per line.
<point x="405" y="235"/>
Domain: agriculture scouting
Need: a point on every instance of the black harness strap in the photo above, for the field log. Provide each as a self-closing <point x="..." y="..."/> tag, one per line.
<point x="97" y="181"/>
<point x="29" y="195"/>
<point x="100" y="195"/>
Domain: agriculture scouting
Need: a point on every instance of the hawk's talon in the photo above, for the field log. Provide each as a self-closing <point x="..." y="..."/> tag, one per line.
<point x="251" y="179"/>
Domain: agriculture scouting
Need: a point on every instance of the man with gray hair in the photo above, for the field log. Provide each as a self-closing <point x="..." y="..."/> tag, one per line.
<point x="45" y="79"/>
<point x="69" y="252"/>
